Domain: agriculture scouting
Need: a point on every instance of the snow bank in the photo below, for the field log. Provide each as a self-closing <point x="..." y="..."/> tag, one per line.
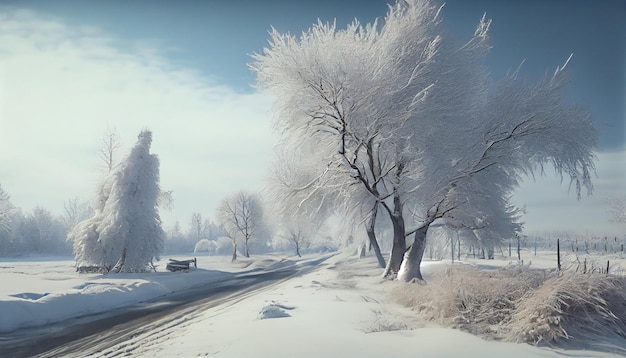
<point x="338" y="307"/>
<point x="42" y="292"/>
<point x="339" y="311"/>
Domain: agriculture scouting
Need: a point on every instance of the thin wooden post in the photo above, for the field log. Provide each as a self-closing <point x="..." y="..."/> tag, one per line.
<point x="558" y="254"/>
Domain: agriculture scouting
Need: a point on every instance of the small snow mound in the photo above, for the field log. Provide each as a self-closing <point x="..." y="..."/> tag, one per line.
<point x="274" y="310"/>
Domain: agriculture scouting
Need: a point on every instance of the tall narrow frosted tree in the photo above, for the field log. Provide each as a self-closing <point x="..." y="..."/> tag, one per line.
<point x="125" y="233"/>
<point x="402" y="117"/>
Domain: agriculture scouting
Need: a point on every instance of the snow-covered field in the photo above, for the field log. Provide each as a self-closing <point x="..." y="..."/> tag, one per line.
<point x="45" y="290"/>
<point x="340" y="309"/>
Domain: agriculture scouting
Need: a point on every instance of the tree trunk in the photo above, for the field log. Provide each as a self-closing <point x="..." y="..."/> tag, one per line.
<point x="247" y="253"/>
<point x="234" y="251"/>
<point x="399" y="240"/>
<point x="120" y="263"/>
<point x="298" y="249"/>
<point x="410" y="268"/>
<point x="371" y="234"/>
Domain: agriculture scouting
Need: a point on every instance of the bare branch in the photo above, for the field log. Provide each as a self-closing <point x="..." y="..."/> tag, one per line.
<point x="108" y="146"/>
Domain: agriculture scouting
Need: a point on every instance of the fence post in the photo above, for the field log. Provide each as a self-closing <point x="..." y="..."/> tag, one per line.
<point x="558" y="254"/>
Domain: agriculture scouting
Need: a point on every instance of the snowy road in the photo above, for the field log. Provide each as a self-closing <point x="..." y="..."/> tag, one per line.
<point x="88" y="335"/>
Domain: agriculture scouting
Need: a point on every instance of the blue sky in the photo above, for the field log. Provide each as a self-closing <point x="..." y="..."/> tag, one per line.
<point x="216" y="37"/>
<point x="180" y="67"/>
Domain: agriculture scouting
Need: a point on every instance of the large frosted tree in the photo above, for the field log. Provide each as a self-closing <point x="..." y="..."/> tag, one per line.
<point x="125" y="232"/>
<point x="403" y="117"/>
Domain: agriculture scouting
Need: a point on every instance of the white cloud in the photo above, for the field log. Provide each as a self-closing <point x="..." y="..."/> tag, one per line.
<point x="552" y="207"/>
<point x="61" y="86"/>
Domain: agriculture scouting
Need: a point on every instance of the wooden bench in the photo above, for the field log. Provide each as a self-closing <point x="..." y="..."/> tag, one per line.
<point x="181" y="265"/>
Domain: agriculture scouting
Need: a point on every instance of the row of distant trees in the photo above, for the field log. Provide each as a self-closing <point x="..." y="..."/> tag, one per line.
<point x="40" y="232"/>
<point x="122" y="223"/>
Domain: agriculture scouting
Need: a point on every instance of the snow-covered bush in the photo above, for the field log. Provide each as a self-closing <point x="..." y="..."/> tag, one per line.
<point x="205" y="245"/>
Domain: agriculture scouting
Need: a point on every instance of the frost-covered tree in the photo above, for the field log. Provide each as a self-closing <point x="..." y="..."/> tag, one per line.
<point x="46" y="233"/>
<point x="617" y="209"/>
<point x="241" y="215"/>
<point x="298" y="232"/>
<point x="307" y="182"/>
<point x="199" y="228"/>
<point x="125" y="232"/>
<point x="6" y="208"/>
<point x="298" y="239"/>
<point x="74" y="212"/>
<point x="402" y="117"/>
<point x="37" y="232"/>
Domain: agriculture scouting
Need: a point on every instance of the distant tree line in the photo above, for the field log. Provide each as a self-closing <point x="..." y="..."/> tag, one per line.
<point x="38" y="232"/>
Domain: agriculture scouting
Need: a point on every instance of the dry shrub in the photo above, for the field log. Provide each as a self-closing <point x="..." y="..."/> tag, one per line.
<point x="589" y="307"/>
<point x="385" y="322"/>
<point x="521" y="304"/>
<point x="465" y="297"/>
